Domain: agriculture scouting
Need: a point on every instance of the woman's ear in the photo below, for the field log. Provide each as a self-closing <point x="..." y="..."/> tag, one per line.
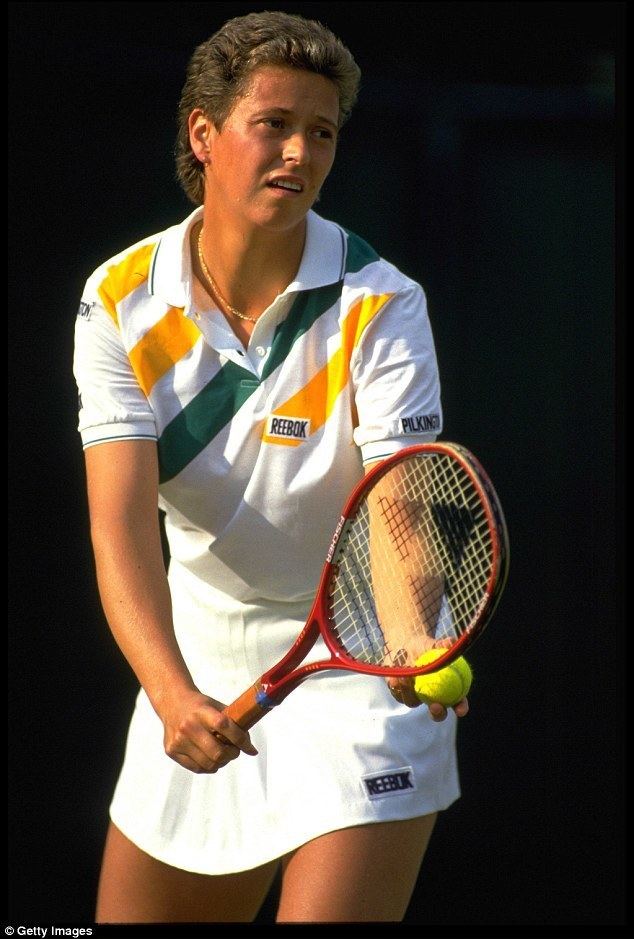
<point x="200" y="130"/>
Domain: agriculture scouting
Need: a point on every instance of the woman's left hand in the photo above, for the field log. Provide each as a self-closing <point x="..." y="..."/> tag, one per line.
<point x="402" y="690"/>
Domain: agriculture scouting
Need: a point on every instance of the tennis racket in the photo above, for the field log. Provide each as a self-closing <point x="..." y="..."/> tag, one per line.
<point x="418" y="560"/>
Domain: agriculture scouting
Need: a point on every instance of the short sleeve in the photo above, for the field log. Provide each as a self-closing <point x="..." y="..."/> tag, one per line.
<point x="395" y="378"/>
<point x="112" y="405"/>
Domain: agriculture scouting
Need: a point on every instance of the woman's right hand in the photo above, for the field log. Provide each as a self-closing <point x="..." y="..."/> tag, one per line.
<point x="199" y="736"/>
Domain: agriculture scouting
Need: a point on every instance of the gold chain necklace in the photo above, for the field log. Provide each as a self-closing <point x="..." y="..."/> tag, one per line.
<point x="214" y="285"/>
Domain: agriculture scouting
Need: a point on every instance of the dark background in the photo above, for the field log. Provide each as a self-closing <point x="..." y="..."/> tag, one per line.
<point x="481" y="160"/>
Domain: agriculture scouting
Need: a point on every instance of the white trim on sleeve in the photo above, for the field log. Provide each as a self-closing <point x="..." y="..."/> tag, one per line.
<point x="106" y="433"/>
<point x="379" y="449"/>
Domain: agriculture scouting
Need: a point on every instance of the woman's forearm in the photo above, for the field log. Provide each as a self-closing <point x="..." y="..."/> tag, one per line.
<point x="136" y="601"/>
<point x="122" y="482"/>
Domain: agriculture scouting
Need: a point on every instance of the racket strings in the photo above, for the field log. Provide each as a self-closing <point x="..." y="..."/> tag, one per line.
<point x="413" y="564"/>
<point x="358" y="609"/>
<point x="352" y="602"/>
<point x="462" y="537"/>
<point x="423" y="593"/>
<point x="399" y="517"/>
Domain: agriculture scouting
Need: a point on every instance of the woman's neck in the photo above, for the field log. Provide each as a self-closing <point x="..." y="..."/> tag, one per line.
<point x="250" y="268"/>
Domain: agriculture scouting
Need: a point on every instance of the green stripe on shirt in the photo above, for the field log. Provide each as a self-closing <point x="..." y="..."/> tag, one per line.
<point x="218" y="402"/>
<point x="359" y="253"/>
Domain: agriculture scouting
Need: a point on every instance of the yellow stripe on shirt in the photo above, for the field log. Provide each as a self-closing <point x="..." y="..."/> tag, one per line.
<point x="124" y="277"/>
<point x="164" y="343"/>
<point x="162" y="346"/>
<point x="316" y="400"/>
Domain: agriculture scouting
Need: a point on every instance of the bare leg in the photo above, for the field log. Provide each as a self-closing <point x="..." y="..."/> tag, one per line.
<point x="361" y="874"/>
<point x="136" y="888"/>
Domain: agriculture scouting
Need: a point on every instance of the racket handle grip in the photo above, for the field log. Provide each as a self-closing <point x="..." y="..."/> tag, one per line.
<point x="246" y="710"/>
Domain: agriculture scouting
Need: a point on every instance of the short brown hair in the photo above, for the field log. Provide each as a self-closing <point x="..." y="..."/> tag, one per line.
<point x="221" y="67"/>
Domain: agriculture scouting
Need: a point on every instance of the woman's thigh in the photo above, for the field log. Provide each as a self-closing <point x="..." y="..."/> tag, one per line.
<point x="136" y="888"/>
<point x="361" y="874"/>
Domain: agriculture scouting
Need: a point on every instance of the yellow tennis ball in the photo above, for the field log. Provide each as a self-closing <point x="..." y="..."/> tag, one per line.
<point x="448" y="685"/>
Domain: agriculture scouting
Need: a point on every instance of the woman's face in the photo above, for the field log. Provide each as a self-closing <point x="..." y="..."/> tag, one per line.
<point x="268" y="163"/>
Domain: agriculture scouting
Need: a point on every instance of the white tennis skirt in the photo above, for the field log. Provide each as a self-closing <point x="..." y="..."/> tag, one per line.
<point x="338" y="751"/>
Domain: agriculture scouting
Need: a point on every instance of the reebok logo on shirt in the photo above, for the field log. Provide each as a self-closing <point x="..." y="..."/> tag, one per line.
<point x="287" y="429"/>
<point x="392" y="783"/>
<point x="85" y="310"/>
<point x="420" y="424"/>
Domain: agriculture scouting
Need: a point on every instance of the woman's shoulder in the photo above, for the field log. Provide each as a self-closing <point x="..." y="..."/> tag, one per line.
<point x="132" y="261"/>
<point x="365" y="264"/>
<point x="360" y="261"/>
<point x="133" y="264"/>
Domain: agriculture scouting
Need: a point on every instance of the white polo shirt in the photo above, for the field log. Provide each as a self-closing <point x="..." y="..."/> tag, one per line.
<point x="258" y="447"/>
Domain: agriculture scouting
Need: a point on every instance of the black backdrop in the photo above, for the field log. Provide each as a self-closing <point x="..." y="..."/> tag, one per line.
<point x="481" y="160"/>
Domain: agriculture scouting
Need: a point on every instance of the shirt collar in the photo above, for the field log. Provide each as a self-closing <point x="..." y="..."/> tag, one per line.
<point x="170" y="276"/>
<point x="323" y="260"/>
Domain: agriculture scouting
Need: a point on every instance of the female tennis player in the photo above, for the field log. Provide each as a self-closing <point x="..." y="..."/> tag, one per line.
<point x="238" y="371"/>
